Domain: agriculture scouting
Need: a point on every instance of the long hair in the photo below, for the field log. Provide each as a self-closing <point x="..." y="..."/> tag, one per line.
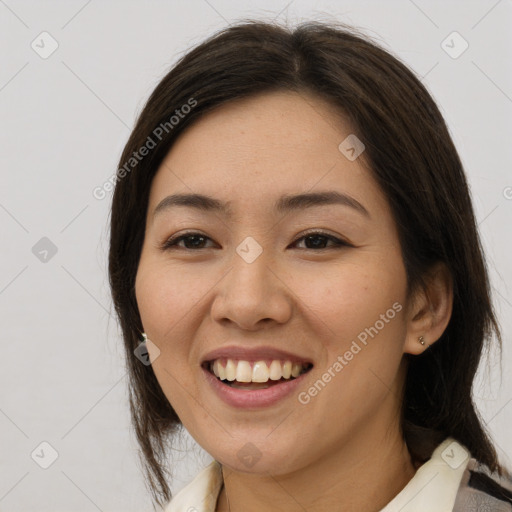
<point x="411" y="156"/>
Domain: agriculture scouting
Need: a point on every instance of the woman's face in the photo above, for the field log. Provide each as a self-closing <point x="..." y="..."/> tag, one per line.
<point x="270" y="276"/>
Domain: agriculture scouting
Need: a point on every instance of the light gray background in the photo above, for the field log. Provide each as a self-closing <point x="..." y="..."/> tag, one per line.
<point x="64" y="121"/>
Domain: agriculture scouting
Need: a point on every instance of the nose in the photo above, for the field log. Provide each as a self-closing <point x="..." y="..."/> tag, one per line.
<point x="252" y="295"/>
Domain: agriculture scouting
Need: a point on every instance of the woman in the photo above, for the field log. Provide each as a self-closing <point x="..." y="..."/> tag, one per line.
<point x="292" y="238"/>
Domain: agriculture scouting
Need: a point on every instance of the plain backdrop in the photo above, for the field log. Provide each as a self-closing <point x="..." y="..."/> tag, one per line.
<point x="64" y="121"/>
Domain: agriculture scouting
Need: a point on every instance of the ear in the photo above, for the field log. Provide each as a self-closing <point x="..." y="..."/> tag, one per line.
<point x="430" y="309"/>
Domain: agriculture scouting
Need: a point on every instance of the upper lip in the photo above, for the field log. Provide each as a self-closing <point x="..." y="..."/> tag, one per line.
<point x="253" y="354"/>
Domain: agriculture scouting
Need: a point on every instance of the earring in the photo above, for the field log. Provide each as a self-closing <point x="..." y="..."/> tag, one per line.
<point x="144" y="337"/>
<point x="421" y="340"/>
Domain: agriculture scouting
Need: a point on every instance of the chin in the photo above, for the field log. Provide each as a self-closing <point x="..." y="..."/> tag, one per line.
<point x="256" y="454"/>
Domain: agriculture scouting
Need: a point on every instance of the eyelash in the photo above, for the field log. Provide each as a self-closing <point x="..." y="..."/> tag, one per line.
<point x="173" y="241"/>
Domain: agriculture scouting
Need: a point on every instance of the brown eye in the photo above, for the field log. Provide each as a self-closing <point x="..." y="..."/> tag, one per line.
<point x="196" y="241"/>
<point x="191" y="241"/>
<point x="319" y="240"/>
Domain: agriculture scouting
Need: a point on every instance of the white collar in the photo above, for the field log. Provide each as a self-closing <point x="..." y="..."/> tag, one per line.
<point x="433" y="488"/>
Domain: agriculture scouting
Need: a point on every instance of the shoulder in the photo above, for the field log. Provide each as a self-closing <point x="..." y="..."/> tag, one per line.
<point x="452" y="480"/>
<point x="481" y="490"/>
<point x="477" y="489"/>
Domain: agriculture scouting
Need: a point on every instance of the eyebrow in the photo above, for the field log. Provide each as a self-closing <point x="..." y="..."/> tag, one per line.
<point x="284" y="204"/>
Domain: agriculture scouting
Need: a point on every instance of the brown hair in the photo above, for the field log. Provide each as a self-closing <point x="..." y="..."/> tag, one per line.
<point x="412" y="157"/>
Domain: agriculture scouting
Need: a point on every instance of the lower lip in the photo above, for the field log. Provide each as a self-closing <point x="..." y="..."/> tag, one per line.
<point x="254" y="398"/>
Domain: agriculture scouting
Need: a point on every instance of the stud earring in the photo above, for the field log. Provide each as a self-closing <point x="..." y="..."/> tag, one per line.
<point x="421" y="340"/>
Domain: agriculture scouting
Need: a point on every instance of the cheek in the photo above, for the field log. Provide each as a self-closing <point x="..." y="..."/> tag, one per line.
<point x="360" y="310"/>
<point x="172" y="305"/>
<point x="162" y="303"/>
<point x="364" y="310"/>
<point x="351" y="298"/>
<point x="166" y="296"/>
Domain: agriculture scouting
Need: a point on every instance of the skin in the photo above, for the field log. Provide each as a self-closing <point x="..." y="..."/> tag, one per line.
<point x="343" y="450"/>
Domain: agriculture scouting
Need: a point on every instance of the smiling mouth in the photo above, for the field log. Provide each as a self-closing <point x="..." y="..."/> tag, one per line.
<point x="251" y="375"/>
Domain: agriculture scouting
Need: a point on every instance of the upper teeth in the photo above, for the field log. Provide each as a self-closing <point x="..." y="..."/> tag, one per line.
<point x="242" y="371"/>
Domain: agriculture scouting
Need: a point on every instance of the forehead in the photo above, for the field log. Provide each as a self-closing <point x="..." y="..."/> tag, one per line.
<point x="262" y="147"/>
<point x="283" y="123"/>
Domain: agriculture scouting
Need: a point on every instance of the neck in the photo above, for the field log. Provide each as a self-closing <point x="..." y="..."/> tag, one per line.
<point x="362" y="476"/>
